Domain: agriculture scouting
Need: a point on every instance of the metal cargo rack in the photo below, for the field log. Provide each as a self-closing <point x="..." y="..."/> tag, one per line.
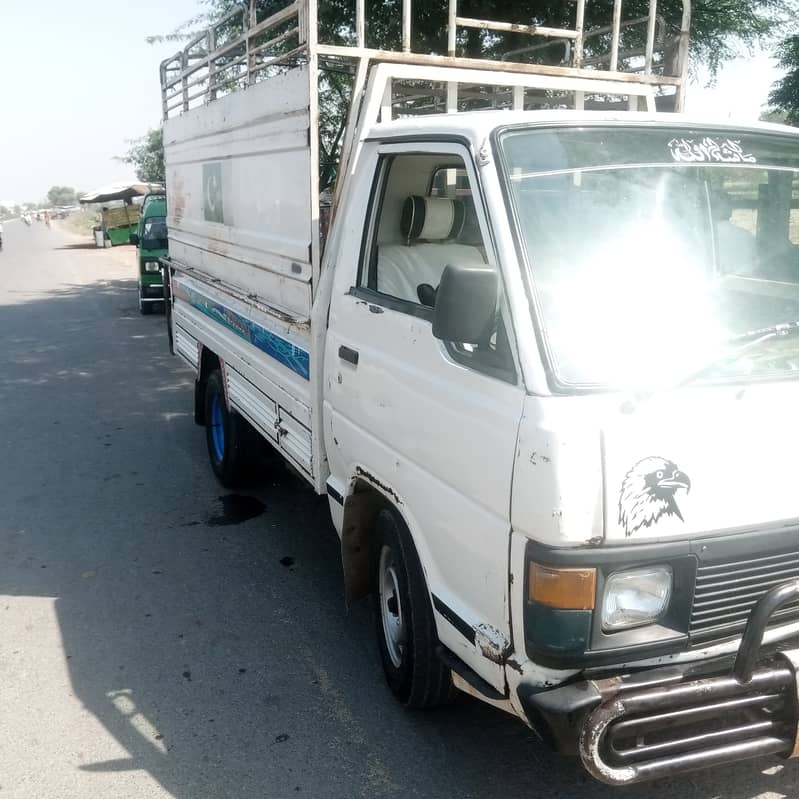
<point x="240" y="49"/>
<point x="631" y="64"/>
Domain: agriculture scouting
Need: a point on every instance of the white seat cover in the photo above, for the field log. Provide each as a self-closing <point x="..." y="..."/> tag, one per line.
<point x="402" y="268"/>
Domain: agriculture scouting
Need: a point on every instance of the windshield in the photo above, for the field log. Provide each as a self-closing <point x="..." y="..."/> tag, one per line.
<point x="154" y="233"/>
<point x="649" y="248"/>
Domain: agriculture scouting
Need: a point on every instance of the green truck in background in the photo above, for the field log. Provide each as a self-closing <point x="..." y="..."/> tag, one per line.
<point x="151" y="243"/>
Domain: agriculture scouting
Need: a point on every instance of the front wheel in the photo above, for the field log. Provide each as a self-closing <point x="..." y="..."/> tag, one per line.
<point x="406" y="630"/>
<point x="228" y="436"/>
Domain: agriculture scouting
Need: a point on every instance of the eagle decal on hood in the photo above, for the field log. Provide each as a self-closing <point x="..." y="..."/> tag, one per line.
<point x="648" y="493"/>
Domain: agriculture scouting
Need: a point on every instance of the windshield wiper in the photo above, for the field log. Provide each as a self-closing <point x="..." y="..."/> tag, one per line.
<point x="741" y="343"/>
<point x="764" y="333"/>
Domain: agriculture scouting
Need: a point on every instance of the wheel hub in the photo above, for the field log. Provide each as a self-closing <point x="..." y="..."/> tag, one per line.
<point x="218" y="428"/>
<point x="391" y="608"/>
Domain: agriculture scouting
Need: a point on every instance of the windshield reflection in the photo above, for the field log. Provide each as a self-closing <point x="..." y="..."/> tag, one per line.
<point x="645" y="265"/>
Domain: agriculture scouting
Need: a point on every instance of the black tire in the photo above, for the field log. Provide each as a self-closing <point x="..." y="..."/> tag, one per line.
<point x="228" y="436"/>
<point x="145" y="308"/>
<point x="415" y="674"/>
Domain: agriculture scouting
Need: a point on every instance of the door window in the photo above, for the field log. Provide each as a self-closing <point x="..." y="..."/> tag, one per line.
<point x="423" y="219"/>
<point x="420" y="227"/>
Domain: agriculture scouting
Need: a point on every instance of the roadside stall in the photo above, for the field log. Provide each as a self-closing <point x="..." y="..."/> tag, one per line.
<point x="120" y="211"/>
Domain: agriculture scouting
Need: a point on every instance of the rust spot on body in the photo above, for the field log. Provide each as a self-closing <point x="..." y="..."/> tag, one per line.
<point x="511" y="663"/>
<point x="492" y="643"/>
<point x="378" y="483"/>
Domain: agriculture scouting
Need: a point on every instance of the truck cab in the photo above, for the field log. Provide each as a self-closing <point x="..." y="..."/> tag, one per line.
<point x="542" y="342"/>
<point x="151" y="245"/>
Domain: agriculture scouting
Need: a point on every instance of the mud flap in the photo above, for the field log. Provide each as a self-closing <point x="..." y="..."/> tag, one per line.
<point x="166" y="271"/>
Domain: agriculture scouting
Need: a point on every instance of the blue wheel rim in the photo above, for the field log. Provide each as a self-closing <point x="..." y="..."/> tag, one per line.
<point x="218" y="428"/>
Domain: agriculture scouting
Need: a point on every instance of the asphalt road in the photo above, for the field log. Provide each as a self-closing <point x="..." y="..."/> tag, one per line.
<point x="160" y="637"/>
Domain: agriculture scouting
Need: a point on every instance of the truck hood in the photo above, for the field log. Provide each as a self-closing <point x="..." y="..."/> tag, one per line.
<point x="701" y="461"/>
<point x="681" y="464"/>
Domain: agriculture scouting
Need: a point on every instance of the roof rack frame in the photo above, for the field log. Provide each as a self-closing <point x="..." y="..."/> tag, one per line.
<point x="209" y="67"/>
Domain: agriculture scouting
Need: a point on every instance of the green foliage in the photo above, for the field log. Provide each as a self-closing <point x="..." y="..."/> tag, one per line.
<point x="62" y="195"/>
<point x="183" y="31"/>
<point x="84" y="220"/>
<point x="784" y="96"/>
<point x="146" y="154"/>
<point x="774" y="116"/>
<point x="720" y="27"/>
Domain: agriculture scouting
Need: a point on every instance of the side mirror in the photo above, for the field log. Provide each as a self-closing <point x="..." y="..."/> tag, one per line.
<point x="466" y="303"/>
<point x="134" y="239"/>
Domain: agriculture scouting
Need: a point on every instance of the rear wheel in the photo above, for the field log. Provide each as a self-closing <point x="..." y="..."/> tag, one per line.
<point x="228" y="436"/>
<point x="406" y="630"/>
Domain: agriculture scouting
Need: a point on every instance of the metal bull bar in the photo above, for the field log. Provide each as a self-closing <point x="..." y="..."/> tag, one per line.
<point x="640" y="733"/>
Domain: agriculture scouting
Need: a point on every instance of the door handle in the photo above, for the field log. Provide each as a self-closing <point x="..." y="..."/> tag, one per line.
<point x="349" y="355"/>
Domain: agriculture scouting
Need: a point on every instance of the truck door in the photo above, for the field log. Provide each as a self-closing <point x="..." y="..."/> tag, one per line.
<point x="433" y="424"/>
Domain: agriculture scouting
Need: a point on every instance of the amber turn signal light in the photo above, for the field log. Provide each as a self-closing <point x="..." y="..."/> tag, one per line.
<point x="567" y="589"/>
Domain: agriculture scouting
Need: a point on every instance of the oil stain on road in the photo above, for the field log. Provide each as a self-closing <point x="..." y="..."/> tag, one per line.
<point x="235" y="509"/>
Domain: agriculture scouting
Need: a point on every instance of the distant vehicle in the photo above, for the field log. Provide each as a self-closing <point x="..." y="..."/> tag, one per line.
<point x="151" y="242"/>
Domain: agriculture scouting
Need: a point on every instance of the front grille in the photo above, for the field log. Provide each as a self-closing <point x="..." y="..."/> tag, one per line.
<point x="726" y="593"/>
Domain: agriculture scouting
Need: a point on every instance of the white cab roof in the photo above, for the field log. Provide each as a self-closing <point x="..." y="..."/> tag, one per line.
<point x="477" y="125"/>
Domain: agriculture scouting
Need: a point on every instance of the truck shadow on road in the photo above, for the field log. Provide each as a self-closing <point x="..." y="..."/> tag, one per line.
<point x="214" y="646"/>
<point x="82" y="245"/>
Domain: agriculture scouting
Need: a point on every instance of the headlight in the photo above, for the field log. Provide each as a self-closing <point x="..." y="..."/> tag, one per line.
<point x="152" y="266"/>
<point x="635" y="597"/>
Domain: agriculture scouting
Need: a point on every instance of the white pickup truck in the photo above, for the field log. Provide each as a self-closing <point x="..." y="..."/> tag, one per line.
<point x="543" y="362"/>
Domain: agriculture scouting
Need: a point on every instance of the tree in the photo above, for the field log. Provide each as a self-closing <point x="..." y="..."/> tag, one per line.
<point x="784" y="96"/>
<point x="146" y="154"/>
<point x="62" y="195"/>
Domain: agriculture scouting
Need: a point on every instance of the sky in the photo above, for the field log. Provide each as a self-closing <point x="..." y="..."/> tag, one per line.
<point x="740" y="92"/>
<point x="75" y="85"/>
<point x="77" y="79"/>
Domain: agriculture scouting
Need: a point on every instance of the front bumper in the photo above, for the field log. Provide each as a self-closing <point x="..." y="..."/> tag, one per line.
<point x="151" y="292"/>
<point x="665" y="721"/>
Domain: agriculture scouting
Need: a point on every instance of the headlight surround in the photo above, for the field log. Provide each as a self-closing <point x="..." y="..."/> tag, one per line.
<point x="636" y="597"/>
<point x="152" y="266"/>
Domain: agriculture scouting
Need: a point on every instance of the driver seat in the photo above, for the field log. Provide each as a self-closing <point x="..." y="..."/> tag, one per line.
<point x="428" y="226"/>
